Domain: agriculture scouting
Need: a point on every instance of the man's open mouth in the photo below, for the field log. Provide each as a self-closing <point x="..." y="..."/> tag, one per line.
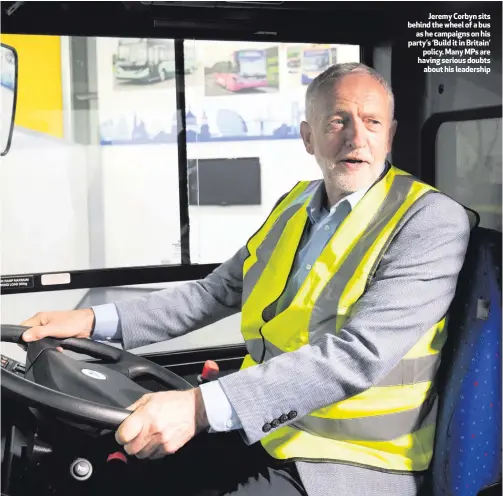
<point x="353" y="161"/>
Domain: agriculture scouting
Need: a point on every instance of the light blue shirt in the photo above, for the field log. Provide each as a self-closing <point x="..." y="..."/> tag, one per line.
<point x="322" y="225"/>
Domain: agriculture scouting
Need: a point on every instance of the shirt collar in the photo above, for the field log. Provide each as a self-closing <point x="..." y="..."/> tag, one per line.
<point x="315" y="206"/>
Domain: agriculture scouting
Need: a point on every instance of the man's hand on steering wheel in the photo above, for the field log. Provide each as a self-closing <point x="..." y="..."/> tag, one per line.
<point x="162" y="423"/>
<point x="64" y="324"/>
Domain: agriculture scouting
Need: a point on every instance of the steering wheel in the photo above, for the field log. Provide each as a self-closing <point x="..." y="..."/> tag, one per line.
<point x="110" y="382"/>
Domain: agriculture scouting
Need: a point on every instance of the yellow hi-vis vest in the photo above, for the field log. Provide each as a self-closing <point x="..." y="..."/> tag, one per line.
<point x="390" y="426"/>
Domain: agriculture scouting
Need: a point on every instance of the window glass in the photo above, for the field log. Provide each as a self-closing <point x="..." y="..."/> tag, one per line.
<point x="469" y="166"/>
<point x="91" y="179"/>
<point x="245" y="103"/>
<point x="18" y="307"/>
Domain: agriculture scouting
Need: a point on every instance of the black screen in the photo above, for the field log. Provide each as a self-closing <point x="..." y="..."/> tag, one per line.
<point x="224" y="181"/>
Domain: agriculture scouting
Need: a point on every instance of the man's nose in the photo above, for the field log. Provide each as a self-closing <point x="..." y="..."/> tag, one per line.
<point x="355" y="135"/>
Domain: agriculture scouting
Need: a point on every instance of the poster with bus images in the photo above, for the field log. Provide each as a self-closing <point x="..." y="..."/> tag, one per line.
<point x="293" y="58"/>
<point x="315" y="60"/>
<point x="247" y="91"/>
<point x="143" y="62"/>
<point x="306" y="62"/>
<point x="233" y="68"/>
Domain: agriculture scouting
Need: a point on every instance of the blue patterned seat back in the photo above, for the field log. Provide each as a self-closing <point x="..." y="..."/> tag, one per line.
<point x="467" y="455"/>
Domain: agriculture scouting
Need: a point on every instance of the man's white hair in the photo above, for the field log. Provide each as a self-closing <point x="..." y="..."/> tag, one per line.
<point x="324" y="82"/>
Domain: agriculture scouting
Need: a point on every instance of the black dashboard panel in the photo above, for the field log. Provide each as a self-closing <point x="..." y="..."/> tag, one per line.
<point x="13" y="365"/>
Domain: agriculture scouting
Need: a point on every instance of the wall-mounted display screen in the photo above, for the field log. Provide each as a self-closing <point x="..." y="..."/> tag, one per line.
<point x="225" y="181"/>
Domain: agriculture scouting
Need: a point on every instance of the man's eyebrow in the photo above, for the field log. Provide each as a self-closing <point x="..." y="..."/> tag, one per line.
<point x="336" y="113"/>
<point x="372" y="113"/>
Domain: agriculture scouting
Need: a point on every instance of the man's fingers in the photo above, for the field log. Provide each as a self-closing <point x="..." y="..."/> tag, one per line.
<point x="138" y="403"/>
<point x="160" y="452"/>
<point x="36" y="333"/>
<point x="137" y="444"/>
<point x="31" y="322"/>
<point x="150" y="449"/>
<point x="129" y="434"/>
<point x="129" y="429"/>
<point x="163" y="450"/>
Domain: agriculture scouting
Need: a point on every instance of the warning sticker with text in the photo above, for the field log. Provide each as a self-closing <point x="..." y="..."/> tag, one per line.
<point x="7" y="282"/>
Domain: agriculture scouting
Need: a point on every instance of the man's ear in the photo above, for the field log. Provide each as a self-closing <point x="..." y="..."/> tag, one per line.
<point x="307" y="137"/>
<point x="392" y="131"/>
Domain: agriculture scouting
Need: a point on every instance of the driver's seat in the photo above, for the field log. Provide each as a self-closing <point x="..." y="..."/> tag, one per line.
<point x="467" y="457"/>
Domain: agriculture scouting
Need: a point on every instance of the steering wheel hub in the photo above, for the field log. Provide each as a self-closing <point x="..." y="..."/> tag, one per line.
<point x="94" y="375"/>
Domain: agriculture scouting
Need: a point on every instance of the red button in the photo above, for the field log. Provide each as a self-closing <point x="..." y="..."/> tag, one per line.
<point x="117" y="456"/>
<point x="210" y="370"/>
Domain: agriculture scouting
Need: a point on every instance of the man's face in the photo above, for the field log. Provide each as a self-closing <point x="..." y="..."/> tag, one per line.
<point x="350" y="132"/>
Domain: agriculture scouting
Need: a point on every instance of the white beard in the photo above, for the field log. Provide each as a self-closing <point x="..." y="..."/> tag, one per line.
<point x="337" y="177"/>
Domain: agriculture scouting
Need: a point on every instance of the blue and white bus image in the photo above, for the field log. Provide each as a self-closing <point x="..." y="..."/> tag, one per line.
<point x="315" y="60"/>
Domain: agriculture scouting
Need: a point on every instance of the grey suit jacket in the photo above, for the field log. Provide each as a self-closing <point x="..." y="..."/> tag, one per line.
<point x="411" y="290"/>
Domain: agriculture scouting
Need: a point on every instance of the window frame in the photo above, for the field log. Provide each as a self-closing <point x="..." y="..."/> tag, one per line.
<point x="429" y="132"/>
<point x="186" y="270"/>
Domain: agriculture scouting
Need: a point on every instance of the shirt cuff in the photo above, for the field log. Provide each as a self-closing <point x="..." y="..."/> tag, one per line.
<point x="106" y="323"/>
<point x="221" y="415"/>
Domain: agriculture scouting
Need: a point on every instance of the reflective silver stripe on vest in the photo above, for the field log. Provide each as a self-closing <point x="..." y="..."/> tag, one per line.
<point x="376" y="428"/>
<point x="412" y="371"/>
<point x="255" y="348"/>
<point x="264" y="251"/>
<point x="408" y="371"/>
